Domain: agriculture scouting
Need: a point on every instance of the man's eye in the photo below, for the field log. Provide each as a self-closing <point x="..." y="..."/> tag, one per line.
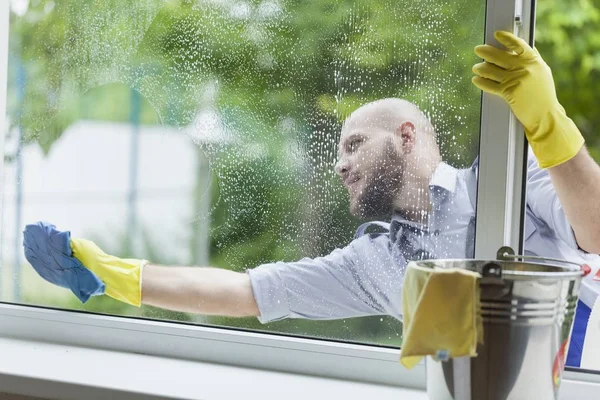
<point x="353" y="145"/>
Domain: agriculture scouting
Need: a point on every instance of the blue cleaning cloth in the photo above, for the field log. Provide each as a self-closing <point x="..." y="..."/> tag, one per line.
<point x="48" y="250"/>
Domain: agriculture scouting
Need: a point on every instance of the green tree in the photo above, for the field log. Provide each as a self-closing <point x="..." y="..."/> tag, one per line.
<point x="568" y="38"/>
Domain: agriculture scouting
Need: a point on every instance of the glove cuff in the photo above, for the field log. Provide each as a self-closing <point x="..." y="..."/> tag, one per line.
<point x="558" y="142"/>
<point x="123" y="279"/>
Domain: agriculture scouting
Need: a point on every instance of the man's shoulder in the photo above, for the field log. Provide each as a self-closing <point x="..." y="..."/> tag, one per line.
<point x="372" y="234"/>
<point x="375" y="227"/>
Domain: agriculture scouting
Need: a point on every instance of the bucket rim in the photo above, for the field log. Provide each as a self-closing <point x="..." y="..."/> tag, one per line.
<point x="563" y="271"/>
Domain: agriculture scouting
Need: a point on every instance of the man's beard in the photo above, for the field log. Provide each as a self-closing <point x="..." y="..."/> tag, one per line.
<point x="376" y="198"/>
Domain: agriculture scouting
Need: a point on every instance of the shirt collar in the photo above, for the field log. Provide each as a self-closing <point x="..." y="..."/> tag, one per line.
<point x="444" y="177"/>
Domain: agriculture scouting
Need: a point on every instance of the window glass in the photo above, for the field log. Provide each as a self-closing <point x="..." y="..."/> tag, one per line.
<point x="206" y="133"/>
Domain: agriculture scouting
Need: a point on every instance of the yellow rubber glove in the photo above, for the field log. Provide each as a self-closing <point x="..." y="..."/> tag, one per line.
<point x="440" y="314"/>
<point x="522" y="78"/>
<point x="122" y="277"/>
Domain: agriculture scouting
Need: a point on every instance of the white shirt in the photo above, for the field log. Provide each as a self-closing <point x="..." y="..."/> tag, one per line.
<point x="365" y="277"/>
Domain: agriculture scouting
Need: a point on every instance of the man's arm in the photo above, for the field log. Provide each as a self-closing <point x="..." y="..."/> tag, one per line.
<point x="187" y="289"/>
<point x="577" y="184"/>
<point x="359" y="280"/>
<point x="563" y="198"/>
<point x="519" y="74"/>
<point x="208" y="291"/>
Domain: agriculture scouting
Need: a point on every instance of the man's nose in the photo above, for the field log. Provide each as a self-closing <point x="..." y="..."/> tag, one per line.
<point x="342" y="167"/>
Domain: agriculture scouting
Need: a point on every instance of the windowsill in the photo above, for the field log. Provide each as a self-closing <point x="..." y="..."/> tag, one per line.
<point x="60" y="371"/>
<point x="47" y="370"/>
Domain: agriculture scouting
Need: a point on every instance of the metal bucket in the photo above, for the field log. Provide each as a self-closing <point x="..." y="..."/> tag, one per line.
<point x="528" y="310"/>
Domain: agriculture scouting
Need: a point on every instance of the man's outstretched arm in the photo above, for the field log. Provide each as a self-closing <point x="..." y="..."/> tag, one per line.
<point x="361" y="279"/>
<point x="208" y="291"/>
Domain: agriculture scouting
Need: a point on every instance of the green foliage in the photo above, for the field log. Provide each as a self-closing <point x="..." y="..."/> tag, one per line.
<point x="568" y="38"/>
<point x="318" y="61"/>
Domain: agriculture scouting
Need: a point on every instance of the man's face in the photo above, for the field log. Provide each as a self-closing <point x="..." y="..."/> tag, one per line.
<point x="371" y="167"/>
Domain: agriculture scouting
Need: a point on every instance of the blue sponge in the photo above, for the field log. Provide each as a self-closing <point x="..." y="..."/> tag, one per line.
<point x="48" y="250"/>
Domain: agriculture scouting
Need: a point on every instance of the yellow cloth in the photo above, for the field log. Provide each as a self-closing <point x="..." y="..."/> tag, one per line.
<point x="122" y="277"/>
<point x="441" y="314"/>
<point x="522" y="78"/>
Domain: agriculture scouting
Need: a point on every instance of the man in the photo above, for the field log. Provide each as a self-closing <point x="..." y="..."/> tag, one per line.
<point x="388" y="161"/>
<point x="391" y="165"/>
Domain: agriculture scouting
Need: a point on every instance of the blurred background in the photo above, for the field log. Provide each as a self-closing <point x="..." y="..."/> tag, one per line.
<point x="205" y="132"/>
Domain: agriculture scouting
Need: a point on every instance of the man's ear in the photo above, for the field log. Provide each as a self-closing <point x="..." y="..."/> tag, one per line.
<point x="407" y="134"/>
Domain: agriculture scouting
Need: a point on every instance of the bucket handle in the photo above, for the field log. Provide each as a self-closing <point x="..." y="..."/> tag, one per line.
<point x="507" y="253"/>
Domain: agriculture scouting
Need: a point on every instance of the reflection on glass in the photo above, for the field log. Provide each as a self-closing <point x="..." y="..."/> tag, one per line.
<point x="216" y="133"/>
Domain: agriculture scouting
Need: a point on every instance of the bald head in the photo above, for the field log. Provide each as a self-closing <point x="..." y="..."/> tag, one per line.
<point x="388" y="114"/>
<point x="385" y="144"/>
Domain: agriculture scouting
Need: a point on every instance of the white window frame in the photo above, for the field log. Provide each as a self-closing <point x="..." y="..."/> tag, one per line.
<point x="502" y="148"/>
<point x="499" y="221"/>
